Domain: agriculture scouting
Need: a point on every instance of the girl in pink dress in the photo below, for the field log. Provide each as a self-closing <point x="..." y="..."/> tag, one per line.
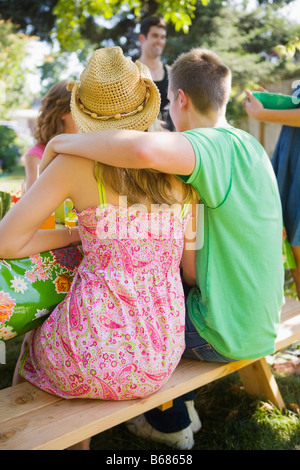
<point x="119" y="333"/>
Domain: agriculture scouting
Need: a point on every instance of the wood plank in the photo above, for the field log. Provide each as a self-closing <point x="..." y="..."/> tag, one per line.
<point x="23" y="398"/>
<point x="62" y="424"/>
<point x="290" y="308"/>
<point x="289" y="330"/>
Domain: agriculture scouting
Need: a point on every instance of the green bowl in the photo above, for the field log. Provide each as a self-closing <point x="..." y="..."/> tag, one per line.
<point x="276" y="100"/>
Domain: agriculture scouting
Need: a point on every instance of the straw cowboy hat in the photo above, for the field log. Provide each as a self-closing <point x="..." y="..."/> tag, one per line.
<point x="114" y="93"/>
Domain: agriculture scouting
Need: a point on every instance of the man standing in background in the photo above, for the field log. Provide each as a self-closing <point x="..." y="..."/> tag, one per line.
<point x="153" y="34"/>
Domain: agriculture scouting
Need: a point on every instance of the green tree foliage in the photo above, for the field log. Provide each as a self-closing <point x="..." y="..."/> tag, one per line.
<point x="83" y="26"/>
<point x="34" y="17"/>
<point x="9" y="150"/>
<point x="57" y="66"/>
<point x="260" y="46"/>
<point x="75" y="17"/>
<point x="13" y="92"/>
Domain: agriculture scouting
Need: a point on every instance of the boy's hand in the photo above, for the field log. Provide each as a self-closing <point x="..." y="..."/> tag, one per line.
<point x="48" y="156"/>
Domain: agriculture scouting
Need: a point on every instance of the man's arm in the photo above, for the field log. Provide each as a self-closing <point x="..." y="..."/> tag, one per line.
<point x="168" y="152"/>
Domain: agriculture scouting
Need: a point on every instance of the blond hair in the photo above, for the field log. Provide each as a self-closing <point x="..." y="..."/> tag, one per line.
<point x="55" y="104"/>
<point x="143" y="184"/>
<point x="203" y="76"/>
<point x="140" y="184"/>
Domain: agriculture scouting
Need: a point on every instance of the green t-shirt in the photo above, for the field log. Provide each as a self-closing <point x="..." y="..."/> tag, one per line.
<point x="239" y="267"/>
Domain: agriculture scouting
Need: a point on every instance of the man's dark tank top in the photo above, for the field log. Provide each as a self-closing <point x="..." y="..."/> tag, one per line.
<point x="162" y="85"/>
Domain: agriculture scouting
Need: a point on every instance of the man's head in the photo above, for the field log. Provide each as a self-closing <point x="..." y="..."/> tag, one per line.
<point x="202" y="76"/>
<point x="153" y="32"/>
<point x="147" y="23"/>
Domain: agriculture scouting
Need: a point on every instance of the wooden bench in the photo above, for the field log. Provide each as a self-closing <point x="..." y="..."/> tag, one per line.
<point x="31" y="419"/>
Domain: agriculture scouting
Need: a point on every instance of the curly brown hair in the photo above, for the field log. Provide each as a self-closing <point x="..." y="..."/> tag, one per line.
<point x="55" y="104"/>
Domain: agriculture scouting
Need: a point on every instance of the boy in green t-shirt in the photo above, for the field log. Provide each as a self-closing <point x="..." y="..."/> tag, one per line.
<point x="234" y="306"/>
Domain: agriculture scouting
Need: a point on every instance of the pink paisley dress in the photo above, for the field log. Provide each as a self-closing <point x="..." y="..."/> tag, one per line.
<point x="119" y="333"/>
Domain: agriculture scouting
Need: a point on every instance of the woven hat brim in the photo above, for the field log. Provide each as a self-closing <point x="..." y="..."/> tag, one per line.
<point x="140" y="121"/>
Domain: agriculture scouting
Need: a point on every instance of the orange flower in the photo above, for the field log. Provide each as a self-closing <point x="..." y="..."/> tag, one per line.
<point x="283" y="234"/>
<point x="6" y="307"/>
<point x="62" y="284"/>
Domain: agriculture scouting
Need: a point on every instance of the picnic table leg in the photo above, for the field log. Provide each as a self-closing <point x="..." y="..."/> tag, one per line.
<point x="165" y="406"/>
<point x="258" y="380"/>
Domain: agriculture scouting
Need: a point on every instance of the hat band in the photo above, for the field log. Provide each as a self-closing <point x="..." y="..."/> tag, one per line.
<point x="117" y="116"/>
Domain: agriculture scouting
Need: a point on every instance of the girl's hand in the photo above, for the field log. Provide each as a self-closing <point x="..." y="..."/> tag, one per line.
<point x="252" y="106"/>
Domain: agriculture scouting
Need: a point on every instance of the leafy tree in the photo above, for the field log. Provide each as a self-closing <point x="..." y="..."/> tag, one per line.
<point x="259" y="46"/>
<point x="78" y="25"/>
<point x="247" y="41"/>
<point x="32" y="17"/>
<point x="72" y="21"/>
<point x="13" y="92"/>
<point x="9" y="150"/>
<point x="76" y="18"/>
<point x="57" y="66"/>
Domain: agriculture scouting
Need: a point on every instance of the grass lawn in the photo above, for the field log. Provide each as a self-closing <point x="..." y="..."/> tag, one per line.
<point x="19" y="173"/>
<point x="231" y="420"/>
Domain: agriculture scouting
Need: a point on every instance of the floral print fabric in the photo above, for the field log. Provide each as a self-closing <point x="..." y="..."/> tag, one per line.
<point x="119" y="333"/>
<point x="31" y="287"/>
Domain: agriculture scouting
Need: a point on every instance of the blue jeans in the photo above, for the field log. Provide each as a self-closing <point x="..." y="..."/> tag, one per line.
<point x="177" y="418"/>
<point x="198" y="348"/>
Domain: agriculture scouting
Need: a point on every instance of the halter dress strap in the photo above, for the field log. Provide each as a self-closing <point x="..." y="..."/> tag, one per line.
<point x="184" y="211"/>
<point x="101" y="191"/>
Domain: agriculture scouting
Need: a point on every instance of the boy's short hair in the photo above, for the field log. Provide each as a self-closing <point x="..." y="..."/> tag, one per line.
<point x="150" y="21"/>
<point x="203" y="76"/>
